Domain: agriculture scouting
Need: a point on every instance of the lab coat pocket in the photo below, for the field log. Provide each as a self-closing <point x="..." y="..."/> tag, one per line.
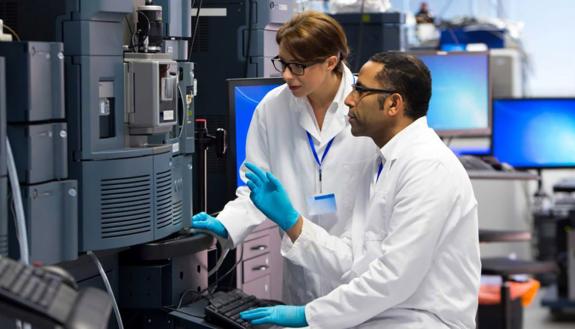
<point x="371" y="250"/>
<point x="380" y="210"/>
<point x="373" y="239"/>
<point x="356" y="181"/>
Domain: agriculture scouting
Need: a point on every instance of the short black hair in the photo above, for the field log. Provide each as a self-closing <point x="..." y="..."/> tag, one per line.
<point x="409" y="76"/>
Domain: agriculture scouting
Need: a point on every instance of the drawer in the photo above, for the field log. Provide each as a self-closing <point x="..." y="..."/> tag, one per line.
<point x="256" y="247"/>
<point x="258" y="287"/>
<point x="256" y="267"/>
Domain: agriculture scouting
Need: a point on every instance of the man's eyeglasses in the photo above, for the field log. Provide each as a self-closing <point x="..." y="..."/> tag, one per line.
<point x="362" y="90"/>
<point x="295" y="68"/>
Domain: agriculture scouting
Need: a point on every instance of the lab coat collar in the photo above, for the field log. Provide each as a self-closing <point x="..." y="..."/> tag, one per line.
<point x="336" y="118"/>
<point x="398" y="143"/>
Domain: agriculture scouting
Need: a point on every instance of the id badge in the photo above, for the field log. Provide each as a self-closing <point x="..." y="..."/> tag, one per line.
<point x="321" y="204"/>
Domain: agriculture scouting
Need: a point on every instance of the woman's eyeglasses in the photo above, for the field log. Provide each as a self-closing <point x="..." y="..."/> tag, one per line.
<point x="295" y="68"/>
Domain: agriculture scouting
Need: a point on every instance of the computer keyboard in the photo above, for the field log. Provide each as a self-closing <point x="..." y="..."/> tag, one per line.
<point x="36" y="294"/>
<point x="471" y="162"/>
<point x="224" y="308"/>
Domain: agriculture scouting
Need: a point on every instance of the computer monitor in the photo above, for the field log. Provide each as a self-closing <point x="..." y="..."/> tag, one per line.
<point x="460" y="96"/>
<point x="534" y="132"/>
<point x="244" y="96"/>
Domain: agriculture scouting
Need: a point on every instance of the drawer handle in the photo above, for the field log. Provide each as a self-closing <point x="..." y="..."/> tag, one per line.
<point x="260" y="268"/>
<point x="259" y="248"/>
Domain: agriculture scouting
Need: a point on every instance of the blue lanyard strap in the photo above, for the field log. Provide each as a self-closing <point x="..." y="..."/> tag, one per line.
<point x="314" y="151"/>
<point x="379" y="169"/>
<point x="316" y="157"/>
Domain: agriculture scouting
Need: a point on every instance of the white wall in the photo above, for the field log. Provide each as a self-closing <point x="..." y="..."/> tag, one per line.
<point x="548" y="39"/>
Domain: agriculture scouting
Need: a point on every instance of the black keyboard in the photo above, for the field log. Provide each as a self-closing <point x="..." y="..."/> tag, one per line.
<point x="36" y="294"/>
<point x="474" y="163"/>
<point x="224" y="308"/>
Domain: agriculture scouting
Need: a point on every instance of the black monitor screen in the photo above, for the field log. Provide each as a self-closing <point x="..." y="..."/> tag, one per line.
<point x="534" y="133"/>
<point x="460" y="97"/>
<point x="244" y="96"/>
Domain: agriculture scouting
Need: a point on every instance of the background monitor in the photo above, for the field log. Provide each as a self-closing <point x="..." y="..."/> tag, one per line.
<point x="460" y="95"/>
<point x="244" y="95"/>
<point x="534" y="132"/>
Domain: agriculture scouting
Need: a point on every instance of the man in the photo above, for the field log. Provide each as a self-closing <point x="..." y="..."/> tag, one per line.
<point x="413" y="257"/>
<point x="424" y="15"/>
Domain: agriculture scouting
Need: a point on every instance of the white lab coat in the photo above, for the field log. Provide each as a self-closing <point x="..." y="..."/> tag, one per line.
<point x="277" y="142"/>
<point x="413" y="258"/>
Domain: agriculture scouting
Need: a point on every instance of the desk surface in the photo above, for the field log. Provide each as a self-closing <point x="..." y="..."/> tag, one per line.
<point x="553" y="300"/>
<point x="180" y="244"/>
<point x="193" y="315"/>
<point x="506" y="175"/>
<point x="503" y="236"/>
<point x="506" y="266"/>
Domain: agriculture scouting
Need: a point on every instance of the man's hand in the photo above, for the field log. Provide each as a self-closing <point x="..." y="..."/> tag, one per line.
<point x="281" y="315"/>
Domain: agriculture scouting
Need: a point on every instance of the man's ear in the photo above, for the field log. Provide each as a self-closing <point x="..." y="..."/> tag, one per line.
<point x="395" y="104"/>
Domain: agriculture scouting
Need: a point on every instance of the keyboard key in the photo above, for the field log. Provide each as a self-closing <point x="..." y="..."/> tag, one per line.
<point x="48" y="296"/>
<point x="29" y="288"/>
<point x="19" y="283"/>
<point x="231" y="306"/>
<point x="9" y="276"/>
<point x="246" y="304"/>
<point x="39" y="292"/>
<point x="3" y="265"/>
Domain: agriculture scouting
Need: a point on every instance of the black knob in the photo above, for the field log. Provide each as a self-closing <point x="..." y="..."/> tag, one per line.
<point x="221" y="142"/>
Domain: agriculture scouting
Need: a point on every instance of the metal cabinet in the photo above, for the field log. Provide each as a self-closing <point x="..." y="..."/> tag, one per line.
<point x="260" y="272"/>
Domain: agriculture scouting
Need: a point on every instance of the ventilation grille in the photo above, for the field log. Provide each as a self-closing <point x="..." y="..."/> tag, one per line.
<point x="202" y="36"/>
<point x="164" y="199"/>
<point x="4" y="245"/>
<point x="178" y="213"/>
<point x="126" y="207"/>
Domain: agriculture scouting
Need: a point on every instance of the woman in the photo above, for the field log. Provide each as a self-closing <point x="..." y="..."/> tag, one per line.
<point x="300" y="133"/>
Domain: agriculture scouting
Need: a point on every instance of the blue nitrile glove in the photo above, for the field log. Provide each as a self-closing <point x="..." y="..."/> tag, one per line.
<point x="204" y="221"/>
<point x="281" y="315"/>
<point x="270" y="197"/>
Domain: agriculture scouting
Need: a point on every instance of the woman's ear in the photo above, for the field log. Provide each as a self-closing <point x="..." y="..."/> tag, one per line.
<point x="332" y="62"/>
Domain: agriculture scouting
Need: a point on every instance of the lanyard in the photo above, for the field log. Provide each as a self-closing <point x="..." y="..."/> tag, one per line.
<point x="379" y="169"/>
<point x="316" y="157"/>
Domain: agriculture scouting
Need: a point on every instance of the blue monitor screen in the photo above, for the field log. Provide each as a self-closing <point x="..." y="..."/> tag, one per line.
<point x="246" y="99"/>
<point x="534" y="133"/>
<point x="460" y="93"/>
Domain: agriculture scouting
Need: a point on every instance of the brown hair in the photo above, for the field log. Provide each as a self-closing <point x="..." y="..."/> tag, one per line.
<point x="312" y="36"/>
